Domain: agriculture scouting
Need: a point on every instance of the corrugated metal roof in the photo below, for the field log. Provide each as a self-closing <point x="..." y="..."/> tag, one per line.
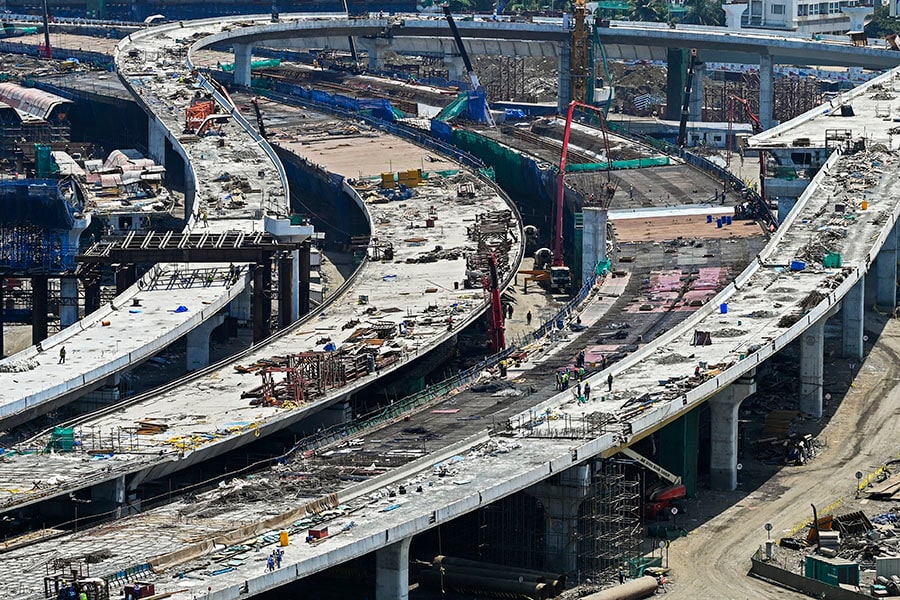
<point x="30" y="100"/>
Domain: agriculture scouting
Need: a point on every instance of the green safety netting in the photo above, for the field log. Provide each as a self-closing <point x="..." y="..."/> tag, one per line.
<point x="256" y="64"/>
<point x="637" y="163"/>
<point x="489" y="173"/>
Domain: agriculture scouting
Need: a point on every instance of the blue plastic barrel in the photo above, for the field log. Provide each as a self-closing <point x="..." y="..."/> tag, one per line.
<point x="718" y="223"/>
<point x="728" y="220"/>
<point x="709" y="218"/>
<point x="723" y="308"/>
<point x="797" y="265"/>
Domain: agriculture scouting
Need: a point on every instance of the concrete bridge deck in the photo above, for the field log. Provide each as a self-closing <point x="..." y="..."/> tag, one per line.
<point x="207" y="415"/>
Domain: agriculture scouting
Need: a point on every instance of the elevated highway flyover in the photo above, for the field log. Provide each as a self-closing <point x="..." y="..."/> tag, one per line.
<point x="769" y="305"/>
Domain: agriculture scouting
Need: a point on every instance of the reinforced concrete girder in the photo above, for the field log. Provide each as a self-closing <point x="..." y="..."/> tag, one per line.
<point x="853" y="321"/>
<point x="812" y="368"/>
<point x="886" y="273"/>
<point x="392" y="571"/>
<point x="434" y="47"/>
<point x="724" y="408"/>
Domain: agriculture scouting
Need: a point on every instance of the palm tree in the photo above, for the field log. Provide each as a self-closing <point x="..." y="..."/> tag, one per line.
<point x="646" y="10"/>
<point x="704" y="12"/>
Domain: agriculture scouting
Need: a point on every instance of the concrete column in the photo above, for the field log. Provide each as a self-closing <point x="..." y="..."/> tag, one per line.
<point x="562" y="500"/>
<point x="375" y="49"/>
<point x="392" y="571"/>
<point x="91" y="296"/>
<point x="886" y="273"/>
<point x="857" y="16"/>
<point x="733" y="14"/>
<point x="303" y="267"/>
<point x="812" y="369"/>
<point x="456" y="69"/>
<point x="80" y="223"/>
<point x="852" y="307"/>
<point x="295" y="278"/>
<point x="593" y="240"/>
<point x="2" y="317"/>
<point x="39" y="306"/>
<point x="243" y="54"/>
<point x="564" y="81"/>
<point x="785" y="206"/>
<point x="724" y="408"/>
<point x="695" y="108"/>
<point x="286" y="290"/>
<point x="198" y="342"/>
<point x="68" y="301"/>
<point x="156" y="140"/>
<point x="262" y="301"/>
<point x="766" y="90"/>
<point x="239" y="307"/>
<point x="126" y="275"/>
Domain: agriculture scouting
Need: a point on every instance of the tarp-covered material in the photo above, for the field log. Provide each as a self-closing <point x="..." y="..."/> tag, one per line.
<point x="127" y="160"/>
<point x="33" y="101"/>
<point x="637" y="163"/>
<point x="469" y="105"/>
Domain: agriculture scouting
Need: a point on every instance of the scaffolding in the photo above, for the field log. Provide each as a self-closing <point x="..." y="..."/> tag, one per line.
<point x="611" y="528"/>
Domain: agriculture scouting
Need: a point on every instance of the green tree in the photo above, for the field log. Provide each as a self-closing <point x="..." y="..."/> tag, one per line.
<point x="881" y="24"/>
<point x="647" y="10"/>
<point x="704" y="12"/>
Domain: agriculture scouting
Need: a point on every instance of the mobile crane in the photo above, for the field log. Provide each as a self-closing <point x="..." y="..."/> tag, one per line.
<point x="470" y="70"/>
<point x="659" y="497"/>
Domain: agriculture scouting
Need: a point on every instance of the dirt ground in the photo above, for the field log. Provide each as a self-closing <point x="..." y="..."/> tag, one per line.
<point x="728" y="527"/>
<point x="667" y="228"/>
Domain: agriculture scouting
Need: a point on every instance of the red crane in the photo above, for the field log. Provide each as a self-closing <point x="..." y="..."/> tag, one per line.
<point x="496" y="326"/>
<point x="561" y="176"/>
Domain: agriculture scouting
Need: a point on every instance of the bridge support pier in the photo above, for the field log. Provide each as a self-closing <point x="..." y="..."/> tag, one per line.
<point x="886" y="273"/>
<point x="695" y="107"/>
<point x="766" y="90"/>
<point x="456" y="69"/>
<point x="562" y="502"/>
<point x="287" y="293"/>
<point x="812" y="368"/>
<point x="852" y="307"/>
<point x="392" y="571"/>
<point x="2" y="316"/>
<point x="564" y="82"/>
<point x="91" y="295"/>
<point x="733" y="14"/>
<point x="68" y="301"/>
<point x="239" y="307"/>
<point x="156" y="140"/>
<point x="198" y="342"/>
<point x="302" y="265"/>
<point x="126" y="275"/>
<point x="593" y="240"/>
<point x="243" y="53"/>
<point x="39" y="307"/>
<point x="724" y="408"/>
<point x="262" y="301"/>
<point x="374" y="49"/>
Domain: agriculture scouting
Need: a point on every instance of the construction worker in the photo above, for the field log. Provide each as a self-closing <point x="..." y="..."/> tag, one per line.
<point x="205" y="217"/>
<point x="503" y="369"/>
<point x="609" y="380"/>
<point x="270" y="563"/>
<point x="528" y="318"/>
<point x="587" y="391"/>
<point x="62" y="355"/>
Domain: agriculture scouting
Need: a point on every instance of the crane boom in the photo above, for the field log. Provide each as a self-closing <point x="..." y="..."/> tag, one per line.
<point x="470" y="70"/>
<point x="651" y="466"/>
<point x="686" y="101"/>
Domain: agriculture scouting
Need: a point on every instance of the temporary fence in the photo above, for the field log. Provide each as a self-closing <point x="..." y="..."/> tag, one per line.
<point x="637" y="163"/>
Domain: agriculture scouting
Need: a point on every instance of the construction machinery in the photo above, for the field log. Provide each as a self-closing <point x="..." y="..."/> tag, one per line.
<point x="201" y="115"/>
<point x="661" y="498"/>
<point x="763" y="210"/>
<point x="470" y="70"/>
<point x="686" y="101"/>
<point x="581" y="64"/>
<point x="496" y="326"/>
<point x="259" y="119"/>
<point x="73" y="584"/>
